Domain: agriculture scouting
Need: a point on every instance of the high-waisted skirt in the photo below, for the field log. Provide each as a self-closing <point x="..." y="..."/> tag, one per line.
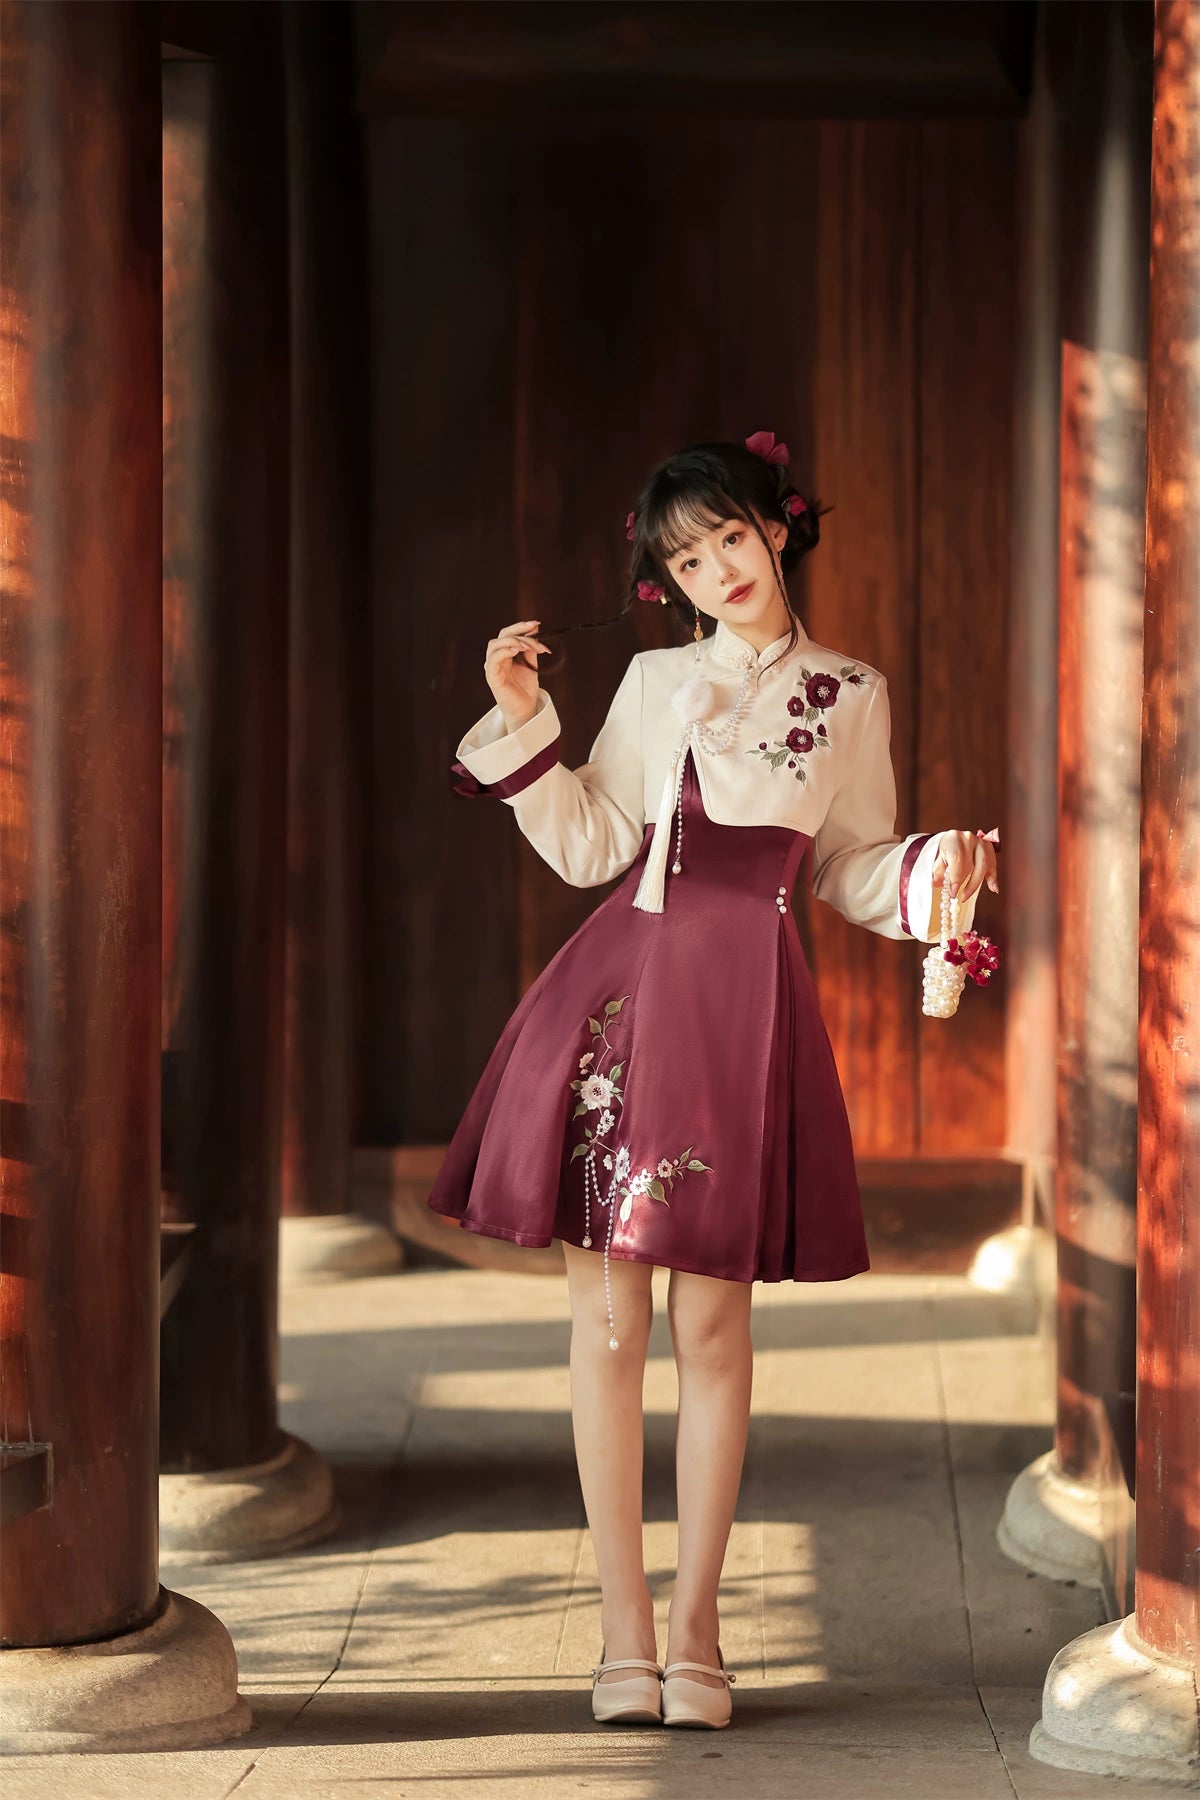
<point x="665" y="1091"/>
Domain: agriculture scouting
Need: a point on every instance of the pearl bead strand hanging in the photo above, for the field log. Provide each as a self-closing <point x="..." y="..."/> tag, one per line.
<point x="589" y="1181"/>
<point x="690" y="702"/>
<point x="943" y="981"/>
<point x="711" y="739"/>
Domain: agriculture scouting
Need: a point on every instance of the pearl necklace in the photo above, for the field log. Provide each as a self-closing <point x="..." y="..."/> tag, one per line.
<point x="721" y="740"/>
<point x="690" y="703"/>
<point x="714" y="741"/>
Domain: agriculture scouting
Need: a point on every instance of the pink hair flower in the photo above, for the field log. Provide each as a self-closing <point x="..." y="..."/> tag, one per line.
<point x="794" y="504"/>
<point x="650" y="590"/>
<point x="762" y="443"/>
<point x="629" y="532"/>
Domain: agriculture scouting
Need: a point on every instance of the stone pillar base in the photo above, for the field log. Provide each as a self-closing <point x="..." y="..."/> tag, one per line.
<point x="334" y="1246"/>
<point x="234" y="1515"/>
<point x="1113" y="1706"/>
<point x="169" y="1685"/>
<point x="1021" y="1260"/>
<point x="1051" y="1524"/>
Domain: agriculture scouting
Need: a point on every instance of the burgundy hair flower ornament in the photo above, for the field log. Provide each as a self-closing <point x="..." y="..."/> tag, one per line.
<point x="629" y="531"/>
<point x="650" y="590"/>
<point x="794" y="505"/>
<point x="762" y="443"/>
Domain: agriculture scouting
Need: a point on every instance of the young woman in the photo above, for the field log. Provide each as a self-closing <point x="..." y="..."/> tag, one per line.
<point x="665" y="1093"/>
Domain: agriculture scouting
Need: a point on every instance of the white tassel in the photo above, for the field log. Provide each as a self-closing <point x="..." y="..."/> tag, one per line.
<point x="649" y="896"/>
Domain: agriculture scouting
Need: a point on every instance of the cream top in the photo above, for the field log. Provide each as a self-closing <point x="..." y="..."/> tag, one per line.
<point x="810" y="750"/>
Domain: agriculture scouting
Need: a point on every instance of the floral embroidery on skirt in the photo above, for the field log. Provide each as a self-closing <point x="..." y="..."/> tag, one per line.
<point x="598" y="1091"/>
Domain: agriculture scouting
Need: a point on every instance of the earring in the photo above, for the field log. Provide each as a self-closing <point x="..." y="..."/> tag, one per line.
<point x="698" y="634"/>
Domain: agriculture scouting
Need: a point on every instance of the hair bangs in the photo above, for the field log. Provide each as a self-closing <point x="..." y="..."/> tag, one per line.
<point x="679" y="520"/>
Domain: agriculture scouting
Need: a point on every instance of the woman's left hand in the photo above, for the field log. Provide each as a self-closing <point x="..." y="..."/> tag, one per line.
<point x="965" y="861"/>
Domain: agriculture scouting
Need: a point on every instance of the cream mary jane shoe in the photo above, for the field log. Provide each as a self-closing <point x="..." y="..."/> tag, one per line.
<point x="635" y="1701"/>
<point x="694" y="1702"/>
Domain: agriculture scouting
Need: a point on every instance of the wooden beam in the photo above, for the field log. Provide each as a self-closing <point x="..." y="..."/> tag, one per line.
<point x="775" y="59"/>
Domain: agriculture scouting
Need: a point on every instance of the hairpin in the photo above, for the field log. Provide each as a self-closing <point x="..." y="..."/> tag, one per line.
<point x="650" y="590"/>
<point x="762" y="443"/>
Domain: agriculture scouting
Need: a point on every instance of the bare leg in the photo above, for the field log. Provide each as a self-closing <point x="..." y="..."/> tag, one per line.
<point x="710" y="1329"/>
<point x="606" y="1414"/>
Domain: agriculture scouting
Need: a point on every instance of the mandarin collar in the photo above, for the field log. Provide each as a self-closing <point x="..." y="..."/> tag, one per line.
<point x="728" y="648"/>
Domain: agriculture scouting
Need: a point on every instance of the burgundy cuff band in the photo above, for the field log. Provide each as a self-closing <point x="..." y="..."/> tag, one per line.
<point x="906" y="868"/>
<point x="466" y="783"/>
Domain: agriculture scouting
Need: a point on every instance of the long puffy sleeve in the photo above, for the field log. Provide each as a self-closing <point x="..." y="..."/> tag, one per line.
<point x="587" y="823"/>
<point x="860" y="866"/>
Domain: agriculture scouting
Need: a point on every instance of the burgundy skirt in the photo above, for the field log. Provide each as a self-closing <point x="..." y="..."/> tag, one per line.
<point x="666" y="1090"/>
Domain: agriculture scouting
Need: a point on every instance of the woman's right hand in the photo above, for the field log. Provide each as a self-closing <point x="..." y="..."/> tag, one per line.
<point x="513" y="681"/>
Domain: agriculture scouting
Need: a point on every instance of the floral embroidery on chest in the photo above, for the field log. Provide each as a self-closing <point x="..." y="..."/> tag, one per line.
<point x="812" y="700"/>
<point x="599" y="1092"/>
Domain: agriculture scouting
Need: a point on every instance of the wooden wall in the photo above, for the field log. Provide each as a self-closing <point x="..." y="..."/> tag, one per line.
<point x="556" y="304"/>
<point x="911" y="436"/>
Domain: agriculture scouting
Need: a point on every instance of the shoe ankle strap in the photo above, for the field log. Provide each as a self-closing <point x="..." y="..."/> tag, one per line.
<point x="701" y="1669"/>
<point x="628" y="1662"/>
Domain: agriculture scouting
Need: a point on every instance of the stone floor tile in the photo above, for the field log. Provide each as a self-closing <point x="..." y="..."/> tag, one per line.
<point x="439" y="1645"/>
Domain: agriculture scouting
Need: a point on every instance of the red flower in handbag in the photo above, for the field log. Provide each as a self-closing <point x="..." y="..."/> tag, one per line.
<point x="980" y="954"/>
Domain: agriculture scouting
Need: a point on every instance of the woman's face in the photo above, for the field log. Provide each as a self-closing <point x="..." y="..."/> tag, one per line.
<point x="729" y="560"/>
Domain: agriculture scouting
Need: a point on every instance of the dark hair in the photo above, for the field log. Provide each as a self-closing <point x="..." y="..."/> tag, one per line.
<point x="691" y="493"/>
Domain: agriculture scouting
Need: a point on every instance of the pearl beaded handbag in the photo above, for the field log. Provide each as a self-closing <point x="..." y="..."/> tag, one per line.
<point x="943" y="981"/>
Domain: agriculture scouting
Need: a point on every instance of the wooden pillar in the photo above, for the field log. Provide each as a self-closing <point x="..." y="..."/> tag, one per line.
<point x="1122" y="1699"/>
<point x="225" y="597"/>
<point x="1028" y="856"/>
<point x="1020" y="1256"/>
<point x="1168" y="1248"/>
<point x="1068" y="1513"/>
<point x="1102" y="485"/>
<point x="327" y="583"/>
<point x="80" y="410"/>
<point x="82" y="539"/>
